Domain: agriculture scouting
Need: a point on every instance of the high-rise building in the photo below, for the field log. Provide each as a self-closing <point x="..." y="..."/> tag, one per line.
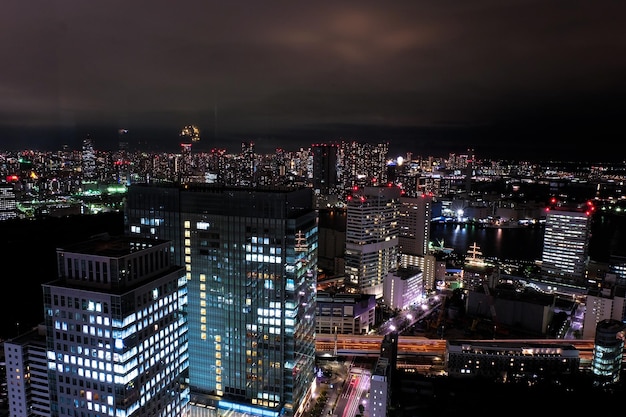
<point x="88" y="160"/>
<point x="566" y="244"/>
<point x="414" y="237"/>
<point x="116" y="329"/>
<point x="250" y="256"/>
<point x="121" y="158"/>
<point x="324" y="166"/>
<point x="362" y="164"/>
<point x="372" y="232"/>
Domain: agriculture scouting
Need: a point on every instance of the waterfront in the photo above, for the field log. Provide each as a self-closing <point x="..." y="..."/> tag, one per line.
<point x="525" y="243"/>
<point x="518" y="243"/>
<point x="39" y="240"/>
<point x="608" y="236"/>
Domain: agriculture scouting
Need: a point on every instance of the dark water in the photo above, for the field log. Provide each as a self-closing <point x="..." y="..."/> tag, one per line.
<point x="512" y="243"/>
<point x="608" y="236"/>
<point x="28" y="252"/>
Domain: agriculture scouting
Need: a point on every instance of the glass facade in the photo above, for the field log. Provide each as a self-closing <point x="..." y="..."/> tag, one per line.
<point x="250" y="257"/>
<point x="608" y="349"/>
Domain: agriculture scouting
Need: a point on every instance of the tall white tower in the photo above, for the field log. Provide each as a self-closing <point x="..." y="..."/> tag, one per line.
<point x="372" y="232"/>
<point x="566" y="244"/>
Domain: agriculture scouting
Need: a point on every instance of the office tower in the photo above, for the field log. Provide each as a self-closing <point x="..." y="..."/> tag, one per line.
<point x="608" y="349"/>
<point x="189" y="135"/>
<point x="566" y="244"/>
<point x="324" y="167"/>
<point x="372" y="237"/>
<point x="121" y="158"/>
<point x="332" y="241"/>
<point x="27" y="374"/>
<point x="117" y="330"/>
<point x="250" y="256"/>
<point x="415" y="215"/>
<point x="247" y="167"/>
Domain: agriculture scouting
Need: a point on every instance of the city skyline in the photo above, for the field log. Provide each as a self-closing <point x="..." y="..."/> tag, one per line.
<point x="517" y="80"/>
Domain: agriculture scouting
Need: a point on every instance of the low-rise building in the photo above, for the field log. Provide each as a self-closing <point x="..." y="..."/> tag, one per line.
<point x="344" y="313"/>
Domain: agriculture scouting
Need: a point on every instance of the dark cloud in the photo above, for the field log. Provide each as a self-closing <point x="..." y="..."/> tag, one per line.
<point x="432" y="75"/>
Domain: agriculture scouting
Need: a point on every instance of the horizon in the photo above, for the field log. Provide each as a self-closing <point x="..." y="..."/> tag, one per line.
<point x="516" y="80"/>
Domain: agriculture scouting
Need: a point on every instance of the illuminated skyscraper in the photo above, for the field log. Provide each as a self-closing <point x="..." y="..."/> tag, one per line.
<point x="566" y="244"/>
<point x="88" y="160"/>
<point x="116" y="330"/>
<point x="121" y="161"/>
<point x="188" y="135"/>
<point x="372" y="232"/>
<point x="250" y="256"/>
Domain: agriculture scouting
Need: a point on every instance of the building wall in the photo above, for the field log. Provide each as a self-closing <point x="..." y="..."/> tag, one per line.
<point x="598" y="308"/>
<point x="250" y="256"/>
<point x="117" y="346"/>
<point x="27" y="374"/>
<point x="372" y="237"/>
<point x="510" y="361"/>
<point x="344" y="314"/>
<point x="566" y="245"/>
<point x="530" y="316"/>
<point x="403" y="288"/>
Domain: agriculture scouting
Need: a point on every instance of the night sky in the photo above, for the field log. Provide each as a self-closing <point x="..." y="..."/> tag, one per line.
<point x="515" y="78"/>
